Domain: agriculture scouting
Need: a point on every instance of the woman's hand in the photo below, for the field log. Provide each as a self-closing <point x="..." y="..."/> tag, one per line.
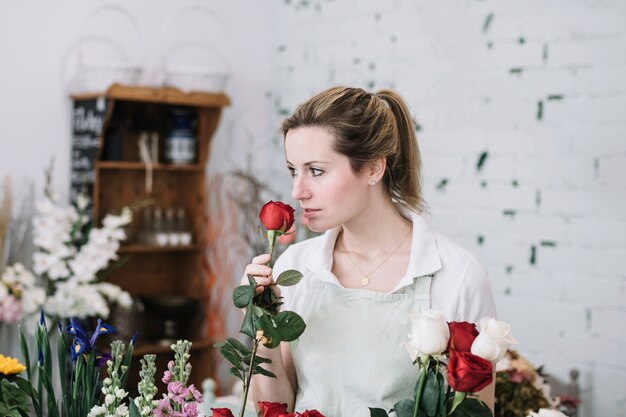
<point x="261" y="273"/>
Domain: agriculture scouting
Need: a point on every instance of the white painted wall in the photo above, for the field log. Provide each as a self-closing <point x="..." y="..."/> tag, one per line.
<point x="473" y="87"/>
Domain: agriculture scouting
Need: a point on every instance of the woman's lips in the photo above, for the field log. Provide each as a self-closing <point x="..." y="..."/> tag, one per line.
<point x="309" y="213"/>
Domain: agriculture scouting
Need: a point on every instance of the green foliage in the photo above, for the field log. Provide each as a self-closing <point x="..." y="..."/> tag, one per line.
<point x="378" y="412"/>
<point x="13" y="399"/>
<point x="239" y="356"/>
<point x="471" y="407"/>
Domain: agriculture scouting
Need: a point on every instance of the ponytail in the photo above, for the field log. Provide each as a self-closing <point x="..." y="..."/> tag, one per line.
<point x="404" y="166"/>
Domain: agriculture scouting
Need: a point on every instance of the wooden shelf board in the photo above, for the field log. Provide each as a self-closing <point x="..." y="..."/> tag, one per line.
<point x="163" y="95"/>
<point x="155" y="348"/>
<point x="131" y="165"/>
<point x="154" y="249"/>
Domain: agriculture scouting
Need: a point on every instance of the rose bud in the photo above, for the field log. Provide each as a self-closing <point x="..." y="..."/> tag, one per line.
<point x="272" y="409"/>
<point x="493" y="340"/>
<point x="429" y="333"/>
<point x="221" y="412"/>
<point x="278" y="216"/>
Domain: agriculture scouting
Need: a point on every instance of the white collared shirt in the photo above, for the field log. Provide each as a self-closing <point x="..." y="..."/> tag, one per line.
<point x="460" y="287"/>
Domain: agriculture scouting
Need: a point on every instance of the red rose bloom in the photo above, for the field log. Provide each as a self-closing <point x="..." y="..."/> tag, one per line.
<point x="462" y="335"/>
<point x="468" y="372"/>
<point x="276" y="215"/>
<point x="221" y="412"/>
<point x="270" y="409"/>
<point x="312" y="413"/>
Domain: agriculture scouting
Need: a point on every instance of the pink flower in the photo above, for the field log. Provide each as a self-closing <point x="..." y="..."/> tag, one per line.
<point x="10" y="310"/>
<point x="177" y="392"/>
<point x="195" y="393"/>
<point x="167" y="377"/>
<point x="164" y="409"/>
<point x="190" y="409"/>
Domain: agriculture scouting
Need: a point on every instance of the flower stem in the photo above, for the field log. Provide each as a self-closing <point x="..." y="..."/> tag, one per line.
<point x="246" y="386"/>
<point x="420" y="386"/>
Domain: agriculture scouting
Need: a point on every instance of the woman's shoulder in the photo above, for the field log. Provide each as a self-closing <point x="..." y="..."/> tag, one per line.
<point x="451" y="251"/>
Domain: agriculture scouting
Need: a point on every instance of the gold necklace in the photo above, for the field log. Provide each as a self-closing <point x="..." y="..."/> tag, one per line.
<point x="365" y="280"/>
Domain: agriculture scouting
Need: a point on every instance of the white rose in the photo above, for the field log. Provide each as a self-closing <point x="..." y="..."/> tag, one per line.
<point x="493" y="340"/>
<point x="545" y="412"/>
<point x="429" y="333"/>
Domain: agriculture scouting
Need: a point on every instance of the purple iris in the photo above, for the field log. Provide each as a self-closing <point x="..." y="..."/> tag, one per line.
<point x="83" y="344"/>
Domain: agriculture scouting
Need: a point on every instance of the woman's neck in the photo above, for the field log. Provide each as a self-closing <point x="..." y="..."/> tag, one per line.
<point x="379" y="229"/>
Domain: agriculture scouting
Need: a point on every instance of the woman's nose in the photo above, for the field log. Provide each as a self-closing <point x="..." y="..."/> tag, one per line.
<point x="299" y="190"/>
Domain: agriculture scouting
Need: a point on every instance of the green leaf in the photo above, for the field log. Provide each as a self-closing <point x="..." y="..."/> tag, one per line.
<point x="240" y="347"/>
<point x="242" y="296"/>
<point x="258" y="311"/>
<point x="442" y="393"/>
<point x="289" y="277"/>
<point x="289" y="326"/>
<point x="247" y="327"/>
<point x="235" y="372"/>
<point x="471" y="407"/>
<point x="404" y="408"/>
<point x="251" y="280"/>
<point x="430" y="397"/>
<point x="133" y="409"/>
<point x="231" y="357"/>
<point x="378" y="412"/>
<point x="261" y="371"/>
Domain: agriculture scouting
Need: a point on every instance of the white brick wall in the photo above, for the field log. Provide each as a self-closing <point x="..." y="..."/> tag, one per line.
<point x="542" y="90"/>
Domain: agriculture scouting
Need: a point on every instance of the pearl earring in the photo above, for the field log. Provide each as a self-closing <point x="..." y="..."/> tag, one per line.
<point x="372" y="182"/>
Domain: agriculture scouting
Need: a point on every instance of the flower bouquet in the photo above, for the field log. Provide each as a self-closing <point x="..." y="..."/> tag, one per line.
<point x="455" y="361"/>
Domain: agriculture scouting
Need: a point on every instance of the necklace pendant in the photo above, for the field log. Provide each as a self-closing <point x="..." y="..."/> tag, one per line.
<point x="365" y="281"/>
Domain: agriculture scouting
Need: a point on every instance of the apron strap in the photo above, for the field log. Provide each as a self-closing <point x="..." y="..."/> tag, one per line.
<point x="421" y="292"/>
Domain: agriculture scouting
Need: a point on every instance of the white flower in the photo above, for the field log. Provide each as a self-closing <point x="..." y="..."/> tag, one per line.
<point x="120" y="393"/>
<point x="97" y="410"/>
<point x="429" y="333"/>
<point x="4" y="292"/>
<point x="109" y="399"/>
<point x="82" y="201"/>
<point x="493" y="340"/>
<point x="121" y="411"/>
<point x="545" y="412"/>
<point x="32" y="299"/>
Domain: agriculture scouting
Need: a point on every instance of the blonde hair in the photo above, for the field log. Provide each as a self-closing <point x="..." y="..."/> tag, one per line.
<point x="368" y="127"/>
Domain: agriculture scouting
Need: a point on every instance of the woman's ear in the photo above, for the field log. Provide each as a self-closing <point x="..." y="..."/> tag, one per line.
<point x="377" y="170"/>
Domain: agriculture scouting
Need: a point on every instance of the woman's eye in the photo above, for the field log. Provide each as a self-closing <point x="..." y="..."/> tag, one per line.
<point x="316" y="172"/>
<point x="292" y="171"/>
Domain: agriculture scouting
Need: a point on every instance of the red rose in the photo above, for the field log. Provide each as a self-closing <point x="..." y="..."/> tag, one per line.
<point x="468" y="372"/>
<point x="276" y="215"/>
<point x="462" y="335"/>
<point x="221" y="412"/>
<point x="312" y="413"/>
<point x="270" y="409"/>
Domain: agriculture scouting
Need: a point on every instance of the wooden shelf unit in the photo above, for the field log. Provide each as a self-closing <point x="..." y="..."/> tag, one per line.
<point x="156" y="271"/>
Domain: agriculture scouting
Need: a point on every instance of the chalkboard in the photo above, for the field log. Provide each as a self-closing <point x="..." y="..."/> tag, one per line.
<point x="87" y="119"/>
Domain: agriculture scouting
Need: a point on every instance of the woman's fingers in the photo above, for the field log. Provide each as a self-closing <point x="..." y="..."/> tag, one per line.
<point x="261" y="259"/>
<point x="261" y="273"/>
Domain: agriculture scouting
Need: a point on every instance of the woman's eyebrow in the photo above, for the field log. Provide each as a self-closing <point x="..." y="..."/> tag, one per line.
<point x="306" y="164"/>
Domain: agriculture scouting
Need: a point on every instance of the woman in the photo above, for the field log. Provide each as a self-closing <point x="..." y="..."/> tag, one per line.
<point x="355" y="165"/>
